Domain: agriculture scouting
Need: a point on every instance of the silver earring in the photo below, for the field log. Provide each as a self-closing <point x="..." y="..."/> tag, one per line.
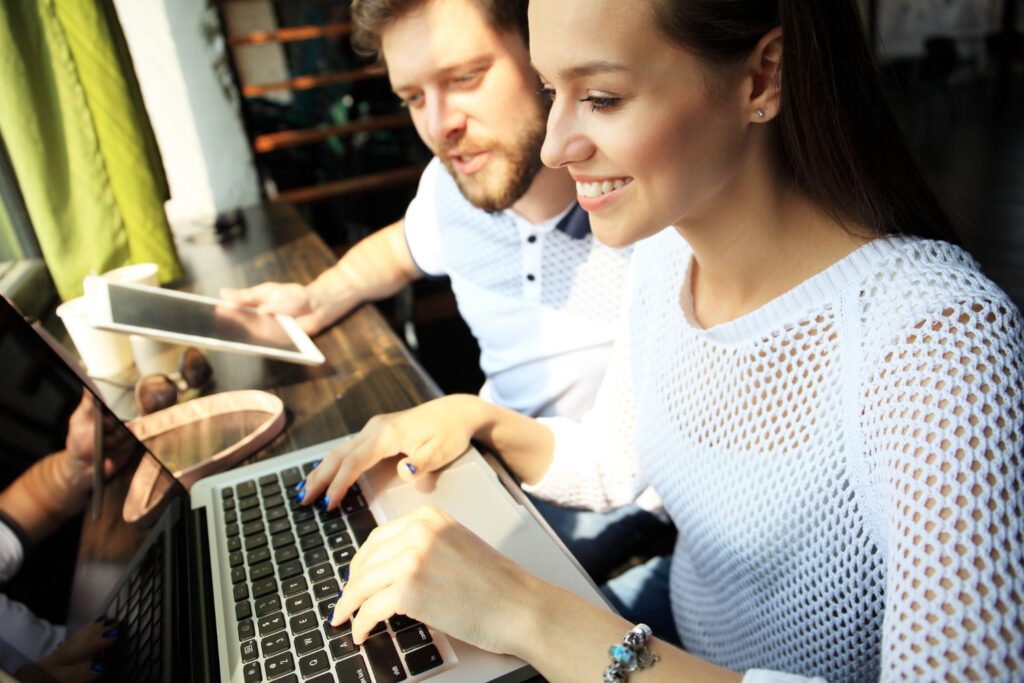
<point x="759" y="113"/>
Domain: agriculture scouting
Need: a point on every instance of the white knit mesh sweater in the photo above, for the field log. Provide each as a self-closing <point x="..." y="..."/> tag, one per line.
<point x="844" y="465"/>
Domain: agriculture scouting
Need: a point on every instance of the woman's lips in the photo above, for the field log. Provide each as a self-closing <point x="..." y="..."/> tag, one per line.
<point x="593" y="194"/>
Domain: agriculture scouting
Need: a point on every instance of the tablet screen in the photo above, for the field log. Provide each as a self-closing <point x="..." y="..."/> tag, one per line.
<point x="156" y="311"/>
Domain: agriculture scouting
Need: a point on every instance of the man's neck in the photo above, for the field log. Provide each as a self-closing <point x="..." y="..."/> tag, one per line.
<point x="549" y="195"/>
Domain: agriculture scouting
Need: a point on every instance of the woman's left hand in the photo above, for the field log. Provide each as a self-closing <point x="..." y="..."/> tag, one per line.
<point x="429" y="567"/>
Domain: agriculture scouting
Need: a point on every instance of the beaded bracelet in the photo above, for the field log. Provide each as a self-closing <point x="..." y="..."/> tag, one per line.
<point x="631" y="655"/>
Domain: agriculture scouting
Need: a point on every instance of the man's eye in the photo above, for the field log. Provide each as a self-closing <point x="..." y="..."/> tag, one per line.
<point x="410" y="101"/>
<point x="546" y="94"/>
<point x="467" y="79"/>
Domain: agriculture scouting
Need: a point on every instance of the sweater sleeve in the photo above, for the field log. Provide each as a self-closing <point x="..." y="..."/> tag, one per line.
<point x="942" y="422"/>
<point x="12" y="548"/>
<point x="595" y="462"/>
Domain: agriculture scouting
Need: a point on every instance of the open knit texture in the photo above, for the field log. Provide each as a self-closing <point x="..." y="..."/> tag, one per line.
<point x="844" y="465"/>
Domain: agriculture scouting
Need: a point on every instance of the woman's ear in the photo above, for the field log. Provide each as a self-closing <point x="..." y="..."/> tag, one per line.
<point x="764" y="67"/>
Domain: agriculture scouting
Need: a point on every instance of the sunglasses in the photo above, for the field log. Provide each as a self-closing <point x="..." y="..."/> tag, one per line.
<point x="158" y="391"/>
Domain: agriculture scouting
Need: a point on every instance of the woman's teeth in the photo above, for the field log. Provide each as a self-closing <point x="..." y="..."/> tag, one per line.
<point x="600" y="188"/>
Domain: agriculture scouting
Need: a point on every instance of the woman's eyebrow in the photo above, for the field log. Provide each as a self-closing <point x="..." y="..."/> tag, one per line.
<point x="590" y="69"/>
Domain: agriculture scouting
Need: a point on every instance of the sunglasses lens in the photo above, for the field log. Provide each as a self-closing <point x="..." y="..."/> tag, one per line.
<point x="155" y="392"/>
<point x="195" y="369"/>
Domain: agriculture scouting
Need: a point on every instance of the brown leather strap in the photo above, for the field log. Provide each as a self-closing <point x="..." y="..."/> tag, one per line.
<point x="149" y="490"/>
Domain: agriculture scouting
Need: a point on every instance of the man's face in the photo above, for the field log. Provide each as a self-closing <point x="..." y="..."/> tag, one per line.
<point x="472" y="96"/>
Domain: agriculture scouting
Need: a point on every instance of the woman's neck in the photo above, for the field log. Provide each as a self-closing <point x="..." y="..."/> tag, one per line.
<point x="763" y="240"/>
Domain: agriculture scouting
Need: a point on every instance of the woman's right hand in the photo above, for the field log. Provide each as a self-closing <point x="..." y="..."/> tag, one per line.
<point x="428" y="437"/>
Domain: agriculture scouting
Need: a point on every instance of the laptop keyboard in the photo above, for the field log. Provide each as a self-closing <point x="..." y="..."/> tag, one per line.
<point x="288" y="564"/>
<point x="137" y="605"/>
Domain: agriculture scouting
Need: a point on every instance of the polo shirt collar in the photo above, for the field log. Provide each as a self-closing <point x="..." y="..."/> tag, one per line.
<point x="575" y="223"/>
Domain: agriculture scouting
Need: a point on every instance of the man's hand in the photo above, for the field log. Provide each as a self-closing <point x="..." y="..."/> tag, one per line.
<point x="287" y="298"/>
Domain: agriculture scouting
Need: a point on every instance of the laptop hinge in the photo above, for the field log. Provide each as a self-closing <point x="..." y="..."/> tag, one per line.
<point x="199" y="632"/>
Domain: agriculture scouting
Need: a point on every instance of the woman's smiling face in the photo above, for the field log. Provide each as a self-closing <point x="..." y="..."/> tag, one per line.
<point x="633" y="119"/>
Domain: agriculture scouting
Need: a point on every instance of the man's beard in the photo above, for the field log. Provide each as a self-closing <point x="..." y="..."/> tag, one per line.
<point x="507" y="175"/>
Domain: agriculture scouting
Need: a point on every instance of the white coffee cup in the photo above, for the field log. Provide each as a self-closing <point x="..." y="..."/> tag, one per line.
<point x="104" y="354"/>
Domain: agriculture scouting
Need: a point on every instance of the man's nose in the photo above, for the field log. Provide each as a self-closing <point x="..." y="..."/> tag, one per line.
<point x="445" y="122"/>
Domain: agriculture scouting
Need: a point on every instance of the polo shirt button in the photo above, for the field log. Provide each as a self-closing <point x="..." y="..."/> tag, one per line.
<point x="530" y="277"/>
<point x="531" y="239"/>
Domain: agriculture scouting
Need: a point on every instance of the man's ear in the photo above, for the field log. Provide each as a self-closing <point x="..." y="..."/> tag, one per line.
<point x="764" y="69"/>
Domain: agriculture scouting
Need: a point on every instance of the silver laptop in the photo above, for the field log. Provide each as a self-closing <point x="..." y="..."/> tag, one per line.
<point x="235" y="580"/>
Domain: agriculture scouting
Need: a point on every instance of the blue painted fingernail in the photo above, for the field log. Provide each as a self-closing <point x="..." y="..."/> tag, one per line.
<point x="302" y="494"/>
<point x="330" y="616"/>
<point x="97" y="667"/>
<point x="111" y="633"/>
<point x="317" y="463"/>
<point x="412" y="468"/>
<point x="324" y="502"/>
<point x="301" y="485"/>
<point x="346" y="578"/>
<point x="339" y="595"/>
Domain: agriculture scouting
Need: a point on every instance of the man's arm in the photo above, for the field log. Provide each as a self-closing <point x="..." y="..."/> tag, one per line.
<point x="375" y="268"/>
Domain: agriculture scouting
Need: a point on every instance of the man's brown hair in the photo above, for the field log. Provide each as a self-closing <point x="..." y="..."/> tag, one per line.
<point x="371" y="17"/>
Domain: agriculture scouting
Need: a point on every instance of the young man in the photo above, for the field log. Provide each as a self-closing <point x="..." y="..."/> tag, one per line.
<point x="540" y="295"/>
<point x="538" y="292"/>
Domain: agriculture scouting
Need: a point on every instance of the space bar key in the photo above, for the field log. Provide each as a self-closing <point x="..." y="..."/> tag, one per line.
<point x="362" y="524"/>
<point x="387" y="667"/>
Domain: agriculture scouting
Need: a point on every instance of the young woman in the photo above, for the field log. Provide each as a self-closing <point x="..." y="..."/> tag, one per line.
<point x="827" y="399"/>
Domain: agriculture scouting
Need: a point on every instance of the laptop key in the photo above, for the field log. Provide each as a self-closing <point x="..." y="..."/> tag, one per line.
<point x="325" y="589"/>
<point x="353" y="502"/>
<point x="362" y="524"/>
<point x="302" y="514"/>
<point x="271" y="624"/>
<point x="240" y="591"/>
<point x="345" y="555"/>
<point x="286" y="554"/>
<point x="272" y="500"/>
<point x="248" y="503"/>
<point x="289" y="569"/>
<point x="253" y="527"/>
<point x="293" y="585"/>
<point x="257" y="556"/>
<point x="412" y="638"/>
<point x="230" y="516"/>
<point x="314" y="664"/>
<point x="242" y="610"/>
<point x="251" y="673"/>
<point x="250" y="514"/>
<point x="237" y="574"/>
<point x="400" y="622"/>
<point x="342" y="646"/>
<point x="253" y="542"/>
<point x="236" y="558"/>
<point x="311" y="541"/>
<point x="261" y="571"/>
<point x="264" y="587"/>
<point x="320" y="572"/>
<point x="423" y="660"/>
<point x="234" y="544"/>
<point x="315" y="556"/>
<point x="307" y="642"/>
<point x="325" y="678"/>
<point x="334" y="631"/>
<point x="246" y="488"/>
<point x="303" y="622"/>
<point x="249" y="651"/>
<point x="291" y="477"/>
<point x="334" y="526"/>
<point x="266" y="605"/>
<point x="298" y="603"/>
<point x="352" y="669"/>
<point x="276" y="513"/>
<point x="246" y="630"/>
<point x="276" y="526"/>
<point x="267" y="479"/>
<point x="384" y="661"/>
<point x="272" y="645"/>
<point x="282" y="539"/>
<point x="279" y="665"/>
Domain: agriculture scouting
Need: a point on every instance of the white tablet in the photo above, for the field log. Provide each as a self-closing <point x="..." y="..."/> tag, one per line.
<point x="184" y="318"/>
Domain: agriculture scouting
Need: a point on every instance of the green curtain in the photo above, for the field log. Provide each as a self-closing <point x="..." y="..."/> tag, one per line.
<point x="80" y="141"/>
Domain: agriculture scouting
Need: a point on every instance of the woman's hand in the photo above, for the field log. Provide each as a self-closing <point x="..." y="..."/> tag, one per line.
<point x="74" y="471"/>
<point x="76" y="660"/>
<point x="429" y="567"/>
<point x="427" y="437"/>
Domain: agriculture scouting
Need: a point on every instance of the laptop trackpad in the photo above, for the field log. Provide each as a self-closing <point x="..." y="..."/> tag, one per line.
<point x="470" y="493"/>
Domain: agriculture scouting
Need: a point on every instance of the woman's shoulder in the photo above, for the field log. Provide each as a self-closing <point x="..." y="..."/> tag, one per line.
<point x="914" y="277"/>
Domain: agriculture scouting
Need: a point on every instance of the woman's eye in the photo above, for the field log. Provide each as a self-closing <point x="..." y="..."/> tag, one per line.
<point x="599" y="102"/>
